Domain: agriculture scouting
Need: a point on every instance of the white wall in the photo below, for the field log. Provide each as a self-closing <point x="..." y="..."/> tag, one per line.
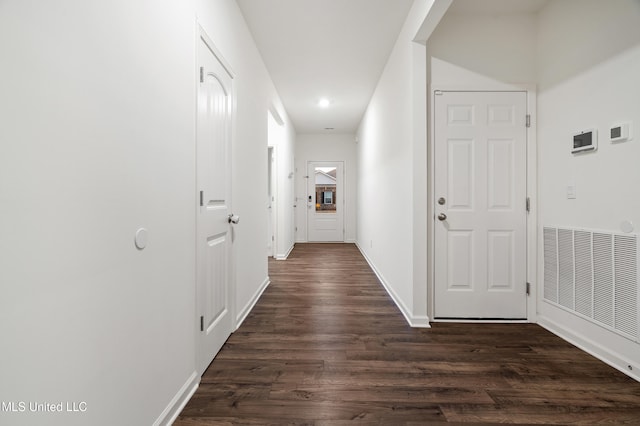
<point x="491" y="51"/>
<point x="392" y="160"/>
<point x="587" y="78"/>
<point x="326" y="147"/>
<point x="97" y="140"/>
<point x="282" y="139"/>
<point x="225" y="25"/>
<point x="589" y="63"/>
<point x="483" y="50"/>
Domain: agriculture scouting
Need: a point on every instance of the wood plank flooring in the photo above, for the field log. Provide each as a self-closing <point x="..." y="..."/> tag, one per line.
<point x="325" y="345"/>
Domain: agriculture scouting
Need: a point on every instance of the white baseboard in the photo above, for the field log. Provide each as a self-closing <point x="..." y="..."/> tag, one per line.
<point x="418" y="321"/>
<point x="249" y="306"/>
<point x="173" y="410"/>
<point x="599" y="351"/>
<point x="286" y="255"/>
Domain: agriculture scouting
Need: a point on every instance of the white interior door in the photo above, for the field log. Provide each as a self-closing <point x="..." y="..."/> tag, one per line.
<point x="480" y="205"/>
<point x="214" y="185"/>
<point x="325" y="201"/>
<point x="271" y="202"/>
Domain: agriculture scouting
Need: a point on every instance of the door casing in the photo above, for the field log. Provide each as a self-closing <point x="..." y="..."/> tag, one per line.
<point x="272" y="201"/>
<point x="340" y="201"/>
<point x="532" y="231"/>
<point x="203" y="358"/>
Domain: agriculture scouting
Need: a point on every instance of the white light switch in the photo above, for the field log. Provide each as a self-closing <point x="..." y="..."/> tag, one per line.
<point x="571" y="191"/>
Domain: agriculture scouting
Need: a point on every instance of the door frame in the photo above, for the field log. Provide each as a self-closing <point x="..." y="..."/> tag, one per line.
<point x="273" y="201"/>
<point x="344" y="197"/>
<point x="531" y="191"/>
<point x="202" y="36"/>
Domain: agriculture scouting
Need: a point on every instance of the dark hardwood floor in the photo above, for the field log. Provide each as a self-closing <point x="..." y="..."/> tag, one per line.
<point x="325" y="345"/>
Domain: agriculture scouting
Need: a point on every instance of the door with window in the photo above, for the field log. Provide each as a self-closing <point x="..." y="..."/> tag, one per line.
<point x="480" y="206"/>
<point x="325" y="201"/>
<point x="213" y="234"/>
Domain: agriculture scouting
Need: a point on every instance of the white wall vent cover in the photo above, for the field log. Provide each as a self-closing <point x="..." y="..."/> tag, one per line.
<point x="594" y="275"/>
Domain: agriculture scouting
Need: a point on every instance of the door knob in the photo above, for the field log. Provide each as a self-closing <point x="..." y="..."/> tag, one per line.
<point x="234" y="218"/>
<point x="442" y="216"/>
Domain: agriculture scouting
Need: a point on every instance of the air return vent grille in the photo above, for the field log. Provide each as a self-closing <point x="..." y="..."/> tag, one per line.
<point x="595" y="275"/>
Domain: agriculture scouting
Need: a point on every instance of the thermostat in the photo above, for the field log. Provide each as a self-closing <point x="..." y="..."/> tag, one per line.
<point x="620" y="132"/>
<point x="587" y="140"/>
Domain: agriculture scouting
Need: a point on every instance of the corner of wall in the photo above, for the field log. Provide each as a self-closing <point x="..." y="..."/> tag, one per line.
<point x="178" y="402"/>
<point x="244" y="312"/>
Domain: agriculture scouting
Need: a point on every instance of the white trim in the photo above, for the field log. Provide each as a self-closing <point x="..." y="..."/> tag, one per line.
<point x="420" y="321"/>
<point x="601" y="352"/>
<point x="286" y="255"/>
<point x="329" y="163"/>
<point x="480" y="321"/>
<point x="273" y="177"/>
<point x="202" y="34"/>
<point x="531" y="184"/>
<point x="178" y="402"/>
<point x="252" y="303"/>
<point x="413" y="321"/>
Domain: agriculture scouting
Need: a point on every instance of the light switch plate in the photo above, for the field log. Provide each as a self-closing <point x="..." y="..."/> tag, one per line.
<point x="571" y="192"/>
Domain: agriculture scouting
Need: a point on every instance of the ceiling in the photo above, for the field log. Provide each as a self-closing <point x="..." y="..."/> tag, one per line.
<point x="334" y="49"/>
<point x="495" y="7"/>
<point x="337" y="49"/>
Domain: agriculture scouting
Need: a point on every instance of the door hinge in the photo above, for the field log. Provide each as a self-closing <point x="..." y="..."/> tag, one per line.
<point x="201" y="74"/>
<point x="528" y="120"/>
<point x="201" y="198"/>
<point x="438" y="92"/>
<point x="528" y="289"/>
<point x="201" y="323"/>
<point x="528" y="204"/>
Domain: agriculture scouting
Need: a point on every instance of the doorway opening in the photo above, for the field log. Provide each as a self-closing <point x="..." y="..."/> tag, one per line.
<point x="271" y="201"/>
<point x="325" y="201"/>
<point x="480" y="199"/>
<point x="214" y="261"/>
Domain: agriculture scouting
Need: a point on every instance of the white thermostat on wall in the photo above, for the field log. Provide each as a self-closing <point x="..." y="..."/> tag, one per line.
<point x="587" y="140"/>
<point x="620" y="132"/>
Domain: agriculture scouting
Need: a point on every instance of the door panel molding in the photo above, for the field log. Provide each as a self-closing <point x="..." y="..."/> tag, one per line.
<point x="215" y="275"/>
<point x="500" y="194"/>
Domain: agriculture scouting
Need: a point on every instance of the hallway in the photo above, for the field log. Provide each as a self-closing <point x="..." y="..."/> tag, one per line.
<point x="325" y="345"/>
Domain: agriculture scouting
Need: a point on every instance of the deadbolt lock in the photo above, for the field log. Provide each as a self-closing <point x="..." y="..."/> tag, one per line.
<point x="441" y="201"/>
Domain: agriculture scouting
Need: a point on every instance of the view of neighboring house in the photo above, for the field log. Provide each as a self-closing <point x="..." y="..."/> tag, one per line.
<point x="325" y="189"/>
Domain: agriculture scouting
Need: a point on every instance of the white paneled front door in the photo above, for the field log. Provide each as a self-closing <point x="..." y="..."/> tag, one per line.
<point x="214" y="109"/>
<point x="480" y="205"/>
<point x="325" y="201"/>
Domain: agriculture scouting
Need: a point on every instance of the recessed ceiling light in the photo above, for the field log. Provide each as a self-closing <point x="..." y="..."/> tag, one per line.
<point x="324" y="103"/>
